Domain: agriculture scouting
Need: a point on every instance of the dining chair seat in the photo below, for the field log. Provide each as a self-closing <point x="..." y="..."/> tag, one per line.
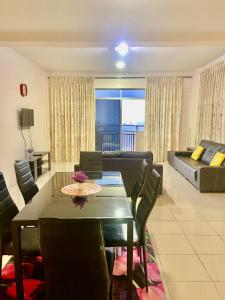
<point x="29" y="242"/>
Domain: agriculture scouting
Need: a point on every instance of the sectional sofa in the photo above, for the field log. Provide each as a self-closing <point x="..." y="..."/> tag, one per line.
<point x="204" y="177"/>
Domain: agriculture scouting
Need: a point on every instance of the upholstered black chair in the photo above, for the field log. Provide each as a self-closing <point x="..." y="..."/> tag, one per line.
<point x="74" y="259"/>
<point x="139" y="185"/>
<point x="25" y="180"/>
<point x="115" y="235"/>
<point x="90" y="161"/>
<point x="29" y="235"/>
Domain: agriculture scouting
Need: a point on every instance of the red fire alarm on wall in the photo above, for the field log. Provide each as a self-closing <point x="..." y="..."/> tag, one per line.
<point x="23" y="89"/>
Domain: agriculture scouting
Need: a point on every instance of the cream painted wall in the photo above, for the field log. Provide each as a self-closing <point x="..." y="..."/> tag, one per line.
<point x="15" y="69"/>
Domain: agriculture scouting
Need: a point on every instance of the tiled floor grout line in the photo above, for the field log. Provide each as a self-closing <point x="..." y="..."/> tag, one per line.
<point x="221" y="296"/>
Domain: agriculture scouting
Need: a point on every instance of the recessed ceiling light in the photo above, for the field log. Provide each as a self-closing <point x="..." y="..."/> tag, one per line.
<point x="120" y="64"/>
<point x="122" y="49"/>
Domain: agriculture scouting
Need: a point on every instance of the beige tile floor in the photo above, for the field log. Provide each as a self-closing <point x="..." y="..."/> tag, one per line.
<point x="188" y="233"/>
<point x="187" y="229"/>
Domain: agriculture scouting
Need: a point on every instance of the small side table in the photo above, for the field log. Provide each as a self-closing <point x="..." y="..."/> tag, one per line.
<point x="44" y="161"/>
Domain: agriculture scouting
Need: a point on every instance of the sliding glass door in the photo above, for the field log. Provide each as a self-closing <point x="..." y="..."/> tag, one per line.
<point x="108" y="125"/>
<point x="119" y="117"/>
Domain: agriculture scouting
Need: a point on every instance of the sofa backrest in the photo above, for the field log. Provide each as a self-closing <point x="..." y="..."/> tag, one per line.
<point x="210" y="150"/>
<point x="128" y="154"/>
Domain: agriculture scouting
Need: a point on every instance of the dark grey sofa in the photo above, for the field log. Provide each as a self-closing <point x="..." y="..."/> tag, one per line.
<point x="204" y="177"/>
<point x="127" y="162"/>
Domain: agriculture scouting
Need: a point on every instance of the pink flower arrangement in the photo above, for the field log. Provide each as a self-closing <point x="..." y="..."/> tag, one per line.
<point x="79" y="176"/>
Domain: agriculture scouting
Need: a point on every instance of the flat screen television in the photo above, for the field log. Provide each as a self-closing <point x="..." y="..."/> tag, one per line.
<point x="26" y="117"/>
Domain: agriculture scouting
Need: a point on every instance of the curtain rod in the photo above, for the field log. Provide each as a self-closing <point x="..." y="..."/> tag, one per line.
<point x="124" y="77"/>
<point x="115" y="77"/>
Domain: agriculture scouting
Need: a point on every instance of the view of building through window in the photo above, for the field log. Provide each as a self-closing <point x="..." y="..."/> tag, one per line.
<point x="119" y="116"/>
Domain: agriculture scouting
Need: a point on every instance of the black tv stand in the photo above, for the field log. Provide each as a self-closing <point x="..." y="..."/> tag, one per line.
<point x="38" y="164"/>
<point x="45" y="159"/>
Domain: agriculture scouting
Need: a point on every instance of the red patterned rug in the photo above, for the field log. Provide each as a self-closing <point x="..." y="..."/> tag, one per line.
<point x="34" y="284"/>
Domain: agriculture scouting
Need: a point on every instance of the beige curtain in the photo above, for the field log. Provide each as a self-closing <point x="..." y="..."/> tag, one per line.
<point x="211" y="105"/>
<point x="162" y="115"/>
<point x="72" y="117"/>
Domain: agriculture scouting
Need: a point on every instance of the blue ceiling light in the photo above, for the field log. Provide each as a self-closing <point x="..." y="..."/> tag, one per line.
<point x="122" y="49"/>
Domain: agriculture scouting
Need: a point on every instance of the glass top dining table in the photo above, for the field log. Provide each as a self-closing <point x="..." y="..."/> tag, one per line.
<point x="110" y="205"/>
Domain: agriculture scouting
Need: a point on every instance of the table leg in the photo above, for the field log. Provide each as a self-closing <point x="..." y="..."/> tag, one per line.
<point x="129" y="259"/>
<point x="35" y="170"/>
<point x="17" y="261"/>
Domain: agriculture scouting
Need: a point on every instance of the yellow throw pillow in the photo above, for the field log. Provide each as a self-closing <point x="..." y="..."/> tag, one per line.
<point x="218" y="159"/>
<point x="197" y="153"/>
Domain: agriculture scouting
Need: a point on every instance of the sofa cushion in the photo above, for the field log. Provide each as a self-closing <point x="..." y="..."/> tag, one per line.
<point x="136" y="154"/>
<point x="217" y="159"/>
<point x="197" y="152"/>
<point x="188" y="167"/>
<point x="111" y="154"/>
<point x="194" y="164"/>
<point x="127" y="154"/>
<point x="210" y="150"/>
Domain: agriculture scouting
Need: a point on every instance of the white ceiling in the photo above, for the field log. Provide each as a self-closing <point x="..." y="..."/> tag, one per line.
<point x="79" y="35"/>
<point x="140" y="60"/>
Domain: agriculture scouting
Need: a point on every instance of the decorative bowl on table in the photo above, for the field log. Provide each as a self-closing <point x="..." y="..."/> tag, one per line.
<point x="80" y="187"/>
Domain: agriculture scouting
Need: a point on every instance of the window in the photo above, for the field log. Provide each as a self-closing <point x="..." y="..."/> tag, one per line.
<point x="119" y="116"/>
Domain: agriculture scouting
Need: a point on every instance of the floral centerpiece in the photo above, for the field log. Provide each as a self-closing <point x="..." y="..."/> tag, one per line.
<point x="79" y="177"/>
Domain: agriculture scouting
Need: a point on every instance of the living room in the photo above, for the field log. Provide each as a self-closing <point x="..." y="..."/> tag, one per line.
<point x="46" y="48"/>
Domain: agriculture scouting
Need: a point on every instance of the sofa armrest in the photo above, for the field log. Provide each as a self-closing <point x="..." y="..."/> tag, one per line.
<point x="183" y="153"/>
<point x="211" y="179"/>
<point x="76" y="167"/>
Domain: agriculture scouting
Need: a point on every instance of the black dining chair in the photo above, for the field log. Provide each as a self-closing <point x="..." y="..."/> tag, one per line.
<point x="29" y="235"/>
<point x="75" y="263"/>
<point x="25" y="180"/>
<point x="90" y="161"/>
<point x="115" y="235"/>
<point x="138" y="188"/>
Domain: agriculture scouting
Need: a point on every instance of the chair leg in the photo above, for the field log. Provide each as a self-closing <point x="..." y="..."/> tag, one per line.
<point x="140" y="254"/>
<point x="111" y="290"/>
<point x="145" y="267"/>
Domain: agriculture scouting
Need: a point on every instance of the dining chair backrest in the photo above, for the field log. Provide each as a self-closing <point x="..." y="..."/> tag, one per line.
<point x="91" y="161"/>
<point x="147" y="202"/>
<point x="8" y="209"/>
<point x="74" y="259"/>
<point x="138" y="187"/>
<point x="25" y="180"/>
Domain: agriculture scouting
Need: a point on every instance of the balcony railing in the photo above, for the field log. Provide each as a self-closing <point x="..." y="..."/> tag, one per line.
<point x="114" y="141"/>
